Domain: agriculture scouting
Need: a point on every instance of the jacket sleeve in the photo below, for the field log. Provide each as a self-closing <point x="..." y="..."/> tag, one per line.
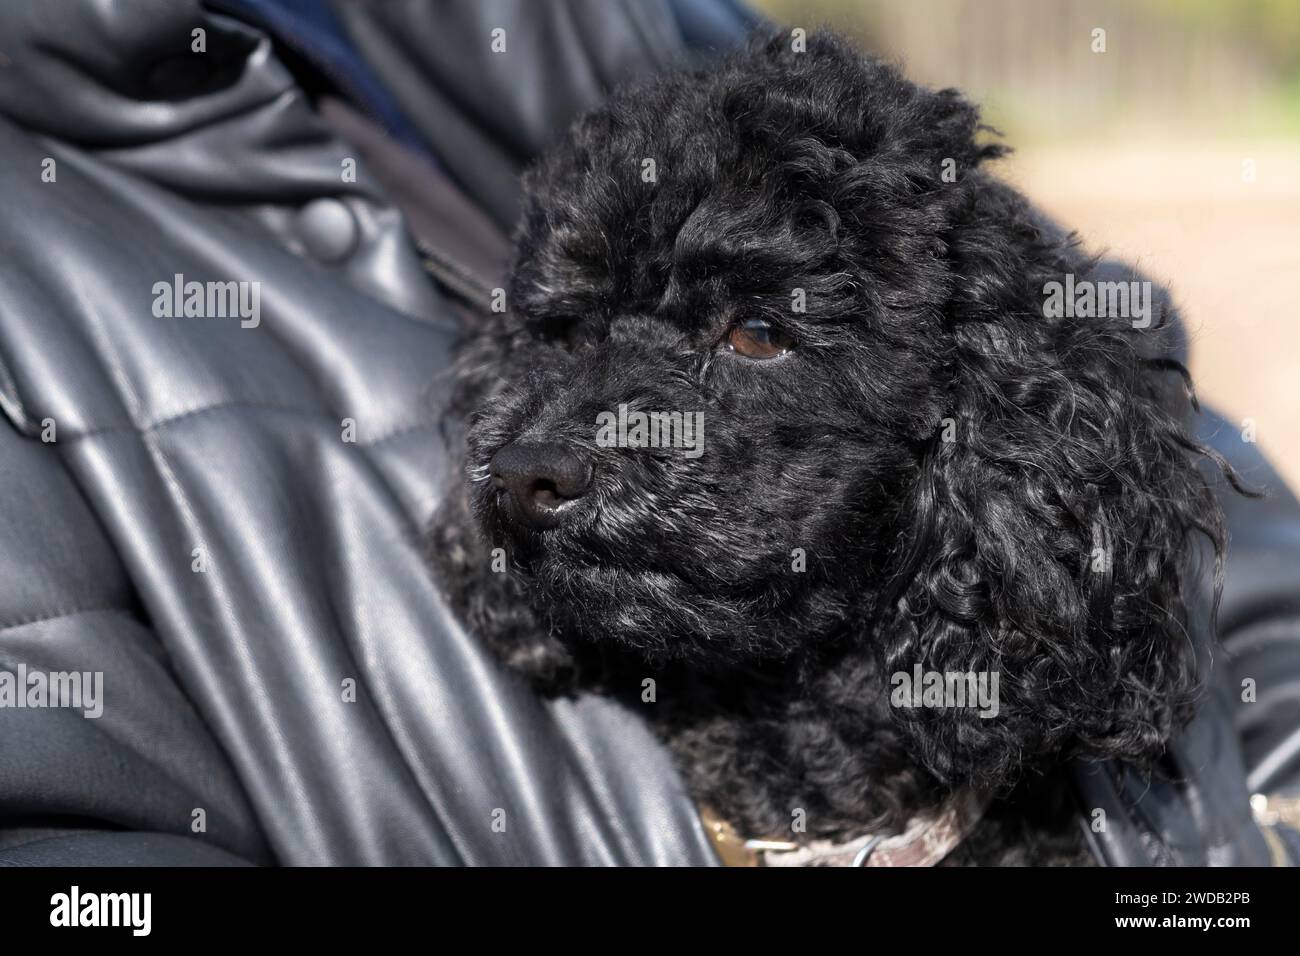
<point x="1260" y="615"/>
<point x="463" y="95"/>
<point x="227" y="526"/>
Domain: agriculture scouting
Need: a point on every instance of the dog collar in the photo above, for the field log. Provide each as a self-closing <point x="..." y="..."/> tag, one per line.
<point x="925" y="841"/>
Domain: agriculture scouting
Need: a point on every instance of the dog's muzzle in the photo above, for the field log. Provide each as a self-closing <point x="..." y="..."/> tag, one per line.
<point x="542" y="480"/>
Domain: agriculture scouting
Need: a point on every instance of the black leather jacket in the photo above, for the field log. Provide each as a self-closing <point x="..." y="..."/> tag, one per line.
<point x="226" y="522"/>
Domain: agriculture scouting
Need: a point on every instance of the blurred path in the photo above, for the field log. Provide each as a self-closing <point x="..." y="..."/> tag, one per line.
<point x="1229" y="249"/>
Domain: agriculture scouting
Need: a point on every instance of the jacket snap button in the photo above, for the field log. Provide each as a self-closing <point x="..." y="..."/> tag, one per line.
<point x="327" y="229"/>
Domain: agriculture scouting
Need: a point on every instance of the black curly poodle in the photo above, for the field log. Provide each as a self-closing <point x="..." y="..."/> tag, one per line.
<point x="906" y="460"/>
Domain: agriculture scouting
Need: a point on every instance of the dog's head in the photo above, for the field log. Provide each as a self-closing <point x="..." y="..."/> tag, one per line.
<point x="779" y="380"/>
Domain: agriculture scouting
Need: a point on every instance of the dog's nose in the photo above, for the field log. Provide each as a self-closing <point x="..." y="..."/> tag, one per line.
<point x="540" y="478"/>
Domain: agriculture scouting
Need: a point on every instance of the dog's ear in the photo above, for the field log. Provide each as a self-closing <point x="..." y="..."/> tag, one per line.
<point x="1055" y="522"/>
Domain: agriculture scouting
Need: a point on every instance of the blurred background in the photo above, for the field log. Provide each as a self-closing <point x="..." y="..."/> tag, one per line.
<point x="1177" y="148"/>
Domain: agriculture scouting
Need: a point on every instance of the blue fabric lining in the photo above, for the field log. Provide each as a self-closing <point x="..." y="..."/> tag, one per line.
<point x="311" y="30"/>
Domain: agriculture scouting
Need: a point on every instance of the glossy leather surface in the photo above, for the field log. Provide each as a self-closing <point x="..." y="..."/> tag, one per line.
<point x="225" y="687"/>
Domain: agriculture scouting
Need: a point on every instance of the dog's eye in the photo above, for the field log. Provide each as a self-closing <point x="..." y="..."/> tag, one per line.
<point x="758" y="339"/>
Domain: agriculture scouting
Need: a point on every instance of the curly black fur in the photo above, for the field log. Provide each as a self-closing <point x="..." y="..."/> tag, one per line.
<point x="822" y="171"/>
